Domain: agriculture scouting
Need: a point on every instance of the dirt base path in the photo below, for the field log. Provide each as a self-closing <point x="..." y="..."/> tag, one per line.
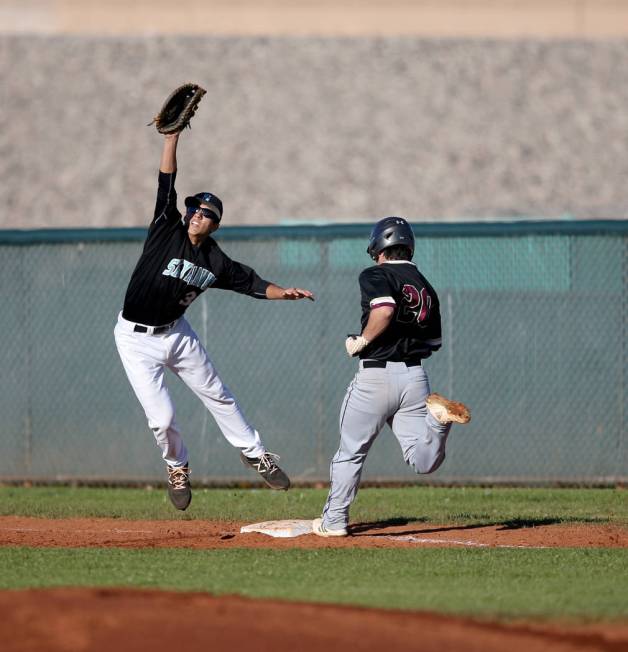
<point x="119" y="533"/>
<point x="68" y="620"/>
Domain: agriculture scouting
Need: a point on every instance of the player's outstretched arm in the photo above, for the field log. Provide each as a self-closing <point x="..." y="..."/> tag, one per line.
<point x="166" y="204"/>
<point x="168" y="163"/>
<point x="287" y="294"/>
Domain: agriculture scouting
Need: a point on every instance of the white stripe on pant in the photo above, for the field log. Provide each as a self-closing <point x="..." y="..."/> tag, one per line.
<point x="145" y="358"/>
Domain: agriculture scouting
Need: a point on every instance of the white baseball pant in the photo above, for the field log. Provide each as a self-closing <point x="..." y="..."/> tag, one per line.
<point x="145" y="357"/>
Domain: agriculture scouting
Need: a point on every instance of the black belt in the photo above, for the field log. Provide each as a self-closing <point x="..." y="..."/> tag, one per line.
<point x="159" y="329"/>
<point x="381" y="364"/>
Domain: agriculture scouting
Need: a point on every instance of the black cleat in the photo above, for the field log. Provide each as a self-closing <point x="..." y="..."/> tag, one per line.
<point x="267" y="467"/>
<point x="179" y="490"/>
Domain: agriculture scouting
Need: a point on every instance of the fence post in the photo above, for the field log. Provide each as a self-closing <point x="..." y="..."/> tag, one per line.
<point x="323" y="347"/>
<point x="623" y="397"/>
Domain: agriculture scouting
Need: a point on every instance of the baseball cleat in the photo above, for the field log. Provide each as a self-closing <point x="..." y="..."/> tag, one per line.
<point x="179" y="490"/>
<point x="446" y="411"/>
<point x="320" y="530"/>
<point x="267" y="467"/>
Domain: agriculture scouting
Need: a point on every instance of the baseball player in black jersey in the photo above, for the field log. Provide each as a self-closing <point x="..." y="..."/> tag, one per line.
<point x="400" y="328"/>
<point x="180" y="260"/>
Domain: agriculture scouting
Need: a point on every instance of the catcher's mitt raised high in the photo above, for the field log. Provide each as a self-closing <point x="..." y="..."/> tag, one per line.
<point x="178" y="109"/>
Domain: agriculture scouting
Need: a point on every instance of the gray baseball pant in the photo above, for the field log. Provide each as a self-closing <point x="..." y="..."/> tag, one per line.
<point x="395" y="395"/>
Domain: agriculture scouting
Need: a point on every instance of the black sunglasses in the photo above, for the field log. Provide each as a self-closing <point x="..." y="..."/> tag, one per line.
<point x="205" y="212"/>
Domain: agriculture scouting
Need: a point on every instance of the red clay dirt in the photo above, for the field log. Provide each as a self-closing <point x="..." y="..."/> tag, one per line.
<point x="199" y="534"/>
<point x="106" y="620"/>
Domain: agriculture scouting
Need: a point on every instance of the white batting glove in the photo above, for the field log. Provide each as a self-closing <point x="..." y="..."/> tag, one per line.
<point x="355" y="343"/>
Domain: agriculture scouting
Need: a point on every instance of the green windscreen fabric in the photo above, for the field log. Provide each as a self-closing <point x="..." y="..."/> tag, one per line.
<point x="535" y="325"/>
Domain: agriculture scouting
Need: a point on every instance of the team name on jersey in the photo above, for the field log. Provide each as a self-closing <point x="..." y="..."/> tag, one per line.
<point x="190" y="273"/>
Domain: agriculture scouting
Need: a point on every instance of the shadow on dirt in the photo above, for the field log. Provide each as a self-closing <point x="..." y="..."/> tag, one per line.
<point x="395" y="526"/>
<point x="518" y="523"/>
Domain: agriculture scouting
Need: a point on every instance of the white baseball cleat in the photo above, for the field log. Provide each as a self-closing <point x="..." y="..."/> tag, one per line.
<point x="446" y="411"/>
<point x="320" y="530"/>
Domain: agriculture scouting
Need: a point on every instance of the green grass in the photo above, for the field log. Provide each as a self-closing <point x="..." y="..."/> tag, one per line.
<point x="428" y="504"/>
<point x="568" y="583"/>
<point x="583" y="584"/>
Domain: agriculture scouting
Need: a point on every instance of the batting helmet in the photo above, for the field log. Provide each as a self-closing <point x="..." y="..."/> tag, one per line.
<point x="389" y="232"/>
<point x="205" y="198"/>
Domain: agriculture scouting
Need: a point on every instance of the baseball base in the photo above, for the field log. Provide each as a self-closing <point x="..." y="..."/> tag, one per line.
<point x="283" y="529"/>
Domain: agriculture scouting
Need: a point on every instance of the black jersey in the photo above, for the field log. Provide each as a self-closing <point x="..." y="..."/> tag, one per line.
<point x="415" y="329"/>
<point x="172" y="272"/>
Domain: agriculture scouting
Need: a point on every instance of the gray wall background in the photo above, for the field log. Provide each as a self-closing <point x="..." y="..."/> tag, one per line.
<point x="333" y="129"/>
<point x="535" y="321"/>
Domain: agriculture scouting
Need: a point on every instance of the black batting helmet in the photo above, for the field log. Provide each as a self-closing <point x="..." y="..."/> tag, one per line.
<point x="389" y="232"/>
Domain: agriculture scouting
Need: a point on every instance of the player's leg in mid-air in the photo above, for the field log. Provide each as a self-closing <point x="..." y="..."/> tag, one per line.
<point x="144" y="358"/>
<point x="190" y="361"/>
<point x="423" y="420"/>
<point x="421" y="436"/>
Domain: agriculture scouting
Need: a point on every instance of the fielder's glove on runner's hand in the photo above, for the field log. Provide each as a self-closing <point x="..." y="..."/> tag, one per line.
<point x="178" y="109"/>
<point x="355" y="343"/>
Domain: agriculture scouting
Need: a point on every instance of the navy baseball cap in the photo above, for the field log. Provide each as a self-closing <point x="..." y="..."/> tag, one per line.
<point x="205" y="198"/>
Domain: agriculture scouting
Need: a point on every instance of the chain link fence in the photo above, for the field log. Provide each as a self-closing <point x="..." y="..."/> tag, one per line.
<point x="535" y="321"/>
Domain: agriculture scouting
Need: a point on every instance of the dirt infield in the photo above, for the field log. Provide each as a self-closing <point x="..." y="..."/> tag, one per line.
<point x="119" y="533"/>
<point x="64" y="620"/>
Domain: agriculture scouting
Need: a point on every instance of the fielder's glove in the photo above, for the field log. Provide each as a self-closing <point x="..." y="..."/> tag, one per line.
<point x="355" y="343"/>
<point x="178" y="109"/>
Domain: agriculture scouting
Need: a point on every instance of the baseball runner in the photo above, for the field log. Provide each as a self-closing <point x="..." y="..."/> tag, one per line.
<point x="400" y="328"/>
<point x="179" y="261"/>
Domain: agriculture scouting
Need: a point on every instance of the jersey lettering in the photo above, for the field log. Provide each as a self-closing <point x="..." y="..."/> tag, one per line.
<point x="416" y="305"/>
<point x="189" y="273"/>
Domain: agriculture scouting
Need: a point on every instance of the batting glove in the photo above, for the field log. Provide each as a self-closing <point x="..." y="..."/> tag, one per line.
<point x="355" y="343"/>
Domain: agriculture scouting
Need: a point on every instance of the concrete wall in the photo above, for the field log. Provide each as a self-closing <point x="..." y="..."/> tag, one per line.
<point x="312" y="128"/>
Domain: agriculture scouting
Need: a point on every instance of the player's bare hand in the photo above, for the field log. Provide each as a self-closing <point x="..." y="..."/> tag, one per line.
<point x="293" y="294"/>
